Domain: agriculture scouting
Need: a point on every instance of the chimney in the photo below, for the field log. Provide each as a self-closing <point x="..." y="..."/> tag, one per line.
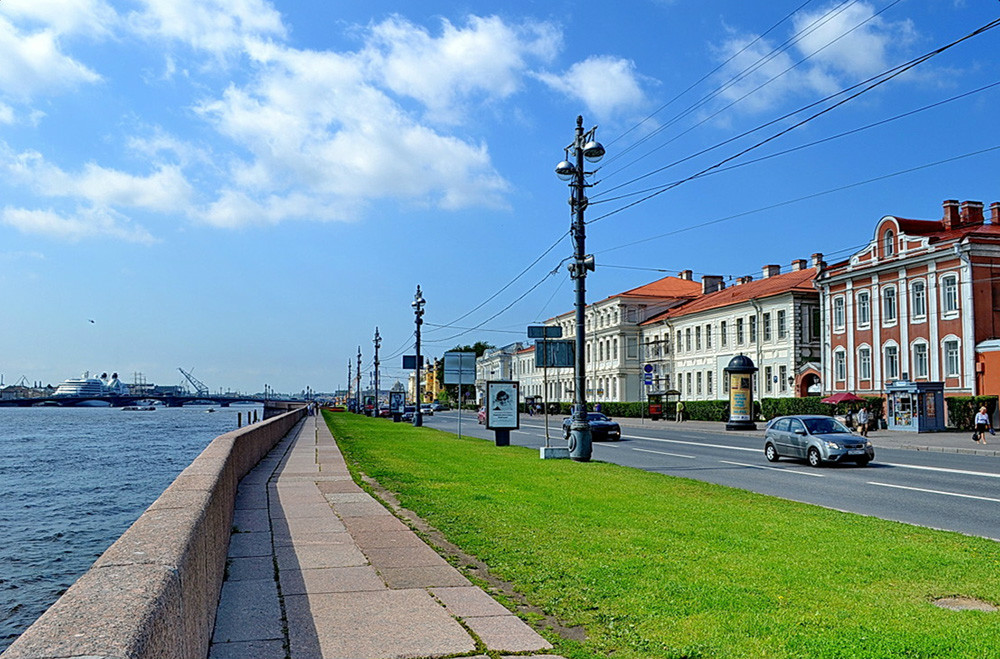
<point x="995" y="213"/>
<point x="971" y="212"/>
<point x="685" y="275"/>
<point x="951" y="214"/>
<point x="798" y="264"/>
<point x="817" y="260"/>
<point x="771" y="271"/>
<point x="711" y="284"/>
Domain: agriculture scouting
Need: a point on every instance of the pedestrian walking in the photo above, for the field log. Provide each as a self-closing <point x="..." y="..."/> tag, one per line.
<point x="982" y="426"/>
<point x="680" y="410"/>
<point x="863" y="421"/>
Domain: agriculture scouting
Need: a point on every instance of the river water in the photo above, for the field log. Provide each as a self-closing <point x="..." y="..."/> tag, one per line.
<point x="72" y="480"/>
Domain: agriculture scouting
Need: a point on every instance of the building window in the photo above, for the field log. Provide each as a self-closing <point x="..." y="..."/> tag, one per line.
<point x="919" y="300"/>
<point x="631" y="347"/>
<point x="723" y="334"/>
<point x="679" y="346"/>
<point x="889" y="304"/>
<point x="839" y="319"/>
<point x="739" y="331"/>
<point x="888" y="243"/>
<point x="864" y="363"/>
<point x="767" y="326"/>
<point x="839" y="366"/>
<point x="698" y="381"/>
<point x="891" y="361"/>
<point x="708" y="382"/>
<point x="688" y="379"/>
<point x="782" y="324"/>
<point x="949" y="294"/>
<point x="753" y="329"/>
<point x="708" y="337"/>
<point x="697" y="338"/>
<point x="920" y="364"/>
<point x="783" y="378"/>
<point x="687" y="339"/>
<point x="864" y="309"/>
<point x="614" y="349"/>
<point x="953" y="366"/>
<point x="767" y="380"/>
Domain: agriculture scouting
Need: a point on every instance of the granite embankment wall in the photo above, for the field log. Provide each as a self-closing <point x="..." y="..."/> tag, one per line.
<point x="154" y="592"/>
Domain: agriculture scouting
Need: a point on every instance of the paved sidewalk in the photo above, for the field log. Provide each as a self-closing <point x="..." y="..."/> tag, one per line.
<point x="321" y="569"/>
<point x="941" y="442"/>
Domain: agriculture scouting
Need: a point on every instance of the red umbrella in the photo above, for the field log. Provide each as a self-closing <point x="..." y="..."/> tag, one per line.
<point x="843" y="397"/>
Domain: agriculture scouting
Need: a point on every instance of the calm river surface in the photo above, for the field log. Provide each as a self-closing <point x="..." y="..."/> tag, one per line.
<point x="72" y="480"/>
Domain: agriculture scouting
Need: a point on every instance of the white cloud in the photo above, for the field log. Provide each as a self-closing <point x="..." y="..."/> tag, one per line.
<point x="34" y="63"/>
<point x="6" y="114"/>
<point x="843" y="45"/>
<point x="86" y="223"/>
<point x="484" y="59"/>
<point x="92" y="18"/>
<point x="607" y="85"/>
<point x="324" y="141"/>
<point x="216" y="26"/>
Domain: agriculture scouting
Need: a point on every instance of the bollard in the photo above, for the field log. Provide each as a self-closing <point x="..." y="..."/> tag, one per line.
<point x="239" y="419"/>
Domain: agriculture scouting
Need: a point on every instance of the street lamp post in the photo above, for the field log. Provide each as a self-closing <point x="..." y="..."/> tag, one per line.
<point x="418" y="312"/>
<point x="584" y="146"/>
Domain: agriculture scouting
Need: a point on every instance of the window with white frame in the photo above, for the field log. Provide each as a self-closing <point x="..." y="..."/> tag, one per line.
<point x="688" y="380"/>
<point x="708" y="337"/>
<point x="864" y="363"/>
<point x="890" y="359"/>
<point x="949" y="294"/>
<point x="782" y="324"/>
<point x="768" y="385"/>
<point x="723" y="334"/>
<point x="767" y="326"/>
<point x="739" y="331"/>
<point x="952" y="359"/>
<point x="697" y="338"/>
<point x="839" y="317"/>
<point x="920" y="363"/>
<point x="864" y="309"/>
<point x="753" y="329"/>
<point x="782" y="378"/>
<point x="687" y="339"/>
<point x="631" y="347"/>
<point x="679" y="345"/>
<point x="918" y="300"/>
<point x="890" y="309"/>
<point x="708" y="382"/>
<point x="698" y="381"/>
<point x="839" y="365"/>
<point x="888" y="243"/>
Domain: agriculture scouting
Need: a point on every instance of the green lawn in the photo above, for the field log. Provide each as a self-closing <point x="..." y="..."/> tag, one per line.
<point x="656" y="566"/>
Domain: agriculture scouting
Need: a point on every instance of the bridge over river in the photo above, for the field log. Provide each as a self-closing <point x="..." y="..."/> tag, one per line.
<point x="170" y="400"/>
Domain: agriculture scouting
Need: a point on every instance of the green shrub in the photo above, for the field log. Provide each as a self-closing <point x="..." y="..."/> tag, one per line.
<point x="962" y="410"/>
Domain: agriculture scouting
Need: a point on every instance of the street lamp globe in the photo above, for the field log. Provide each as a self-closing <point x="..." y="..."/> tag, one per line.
<point x="565" y="170"/>
<point x="593" y="151"/>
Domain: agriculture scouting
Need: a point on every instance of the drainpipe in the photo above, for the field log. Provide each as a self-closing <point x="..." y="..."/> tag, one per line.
<point x="760" y="332"/>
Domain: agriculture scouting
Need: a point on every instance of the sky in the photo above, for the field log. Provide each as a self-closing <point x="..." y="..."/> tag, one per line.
<point x="247" y="189"/>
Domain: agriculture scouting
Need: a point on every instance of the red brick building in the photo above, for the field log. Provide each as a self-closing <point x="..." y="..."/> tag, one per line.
<point x="920" y="302"/>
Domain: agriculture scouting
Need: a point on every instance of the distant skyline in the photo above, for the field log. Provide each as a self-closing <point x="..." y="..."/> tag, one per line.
<point x="247" y="189"/>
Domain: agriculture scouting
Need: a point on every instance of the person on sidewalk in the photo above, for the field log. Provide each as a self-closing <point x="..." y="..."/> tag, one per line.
<point x="982" y="426"/>
<point x="680" y="410"/>
<point x="863" y="421"/>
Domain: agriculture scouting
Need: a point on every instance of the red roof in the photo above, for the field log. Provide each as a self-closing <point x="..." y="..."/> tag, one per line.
<point x="673" y="287"/>
<point x="797" y="280"/>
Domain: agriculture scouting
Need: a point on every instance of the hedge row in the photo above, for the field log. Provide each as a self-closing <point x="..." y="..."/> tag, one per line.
<point x="962" y="410"/>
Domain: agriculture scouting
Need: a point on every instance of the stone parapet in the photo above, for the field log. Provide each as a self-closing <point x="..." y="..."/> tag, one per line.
<point x="154" y="592"/>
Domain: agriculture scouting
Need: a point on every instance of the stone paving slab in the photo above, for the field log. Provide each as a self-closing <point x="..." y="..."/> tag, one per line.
<point x="356" y="582"/>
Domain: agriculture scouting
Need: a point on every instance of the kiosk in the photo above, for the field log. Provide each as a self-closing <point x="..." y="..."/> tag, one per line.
<point x="915" y="406"/>
<point x="658" y="403"/>
<point x="739" y="375"/>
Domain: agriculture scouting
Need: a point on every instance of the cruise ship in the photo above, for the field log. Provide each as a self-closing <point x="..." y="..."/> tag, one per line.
<point x="87" y="386"/>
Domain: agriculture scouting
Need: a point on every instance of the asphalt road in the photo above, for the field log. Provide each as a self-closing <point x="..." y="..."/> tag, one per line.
<point x="939" y="490"/>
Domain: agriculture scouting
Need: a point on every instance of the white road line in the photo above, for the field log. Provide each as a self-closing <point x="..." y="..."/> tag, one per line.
<point x="949" y="494"/>
<point x="784" y="471"/>
<point x="675" y="455"/>
<point x="943" y="469"/>
<point x="678" y="441"/>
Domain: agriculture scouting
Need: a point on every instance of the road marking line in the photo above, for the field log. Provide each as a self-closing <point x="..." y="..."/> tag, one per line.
<point x="949" y="494"/>
<point x="784" y="471"/>
<point x="676" y="455"/>
<point x="678" y="441"/>
<point x="943" y="469"/>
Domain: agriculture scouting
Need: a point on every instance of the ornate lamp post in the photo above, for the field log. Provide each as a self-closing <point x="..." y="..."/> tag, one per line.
<point x="584" y="147"/>
<point x="418" y="311"/>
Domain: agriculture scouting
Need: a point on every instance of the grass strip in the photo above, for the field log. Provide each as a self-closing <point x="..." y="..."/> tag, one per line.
<point x="656" y="566"/>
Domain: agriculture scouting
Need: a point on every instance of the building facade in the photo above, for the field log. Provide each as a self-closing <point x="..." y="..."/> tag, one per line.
<point x="920" y="302"/>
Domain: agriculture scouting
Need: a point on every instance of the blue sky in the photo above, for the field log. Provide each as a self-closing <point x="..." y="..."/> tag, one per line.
<point x="248" y="188"/>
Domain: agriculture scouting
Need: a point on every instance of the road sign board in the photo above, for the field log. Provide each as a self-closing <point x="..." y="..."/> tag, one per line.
<point x="459" y="367"/>
<point x="410" y="362"/>
<point x="544" y="332"/>
<point x="559" y="353"/>
<point x="648" y="368"/>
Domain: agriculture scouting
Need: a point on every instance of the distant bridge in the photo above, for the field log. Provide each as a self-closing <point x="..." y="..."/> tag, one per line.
<point x="170" y="400"/>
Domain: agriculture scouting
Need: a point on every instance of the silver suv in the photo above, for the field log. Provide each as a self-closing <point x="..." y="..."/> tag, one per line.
<point x="816" y="438"/>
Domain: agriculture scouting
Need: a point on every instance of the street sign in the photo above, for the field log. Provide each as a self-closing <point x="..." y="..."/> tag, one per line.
<point x="459" y="367"/>
<point x="648" y="368"/>
<point x="410" y="362"/>
<point x="559" y="353"/>
<point x="544" y="332"/>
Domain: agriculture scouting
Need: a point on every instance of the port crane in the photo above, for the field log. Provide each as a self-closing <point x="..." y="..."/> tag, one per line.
<point x="199" y="387"/>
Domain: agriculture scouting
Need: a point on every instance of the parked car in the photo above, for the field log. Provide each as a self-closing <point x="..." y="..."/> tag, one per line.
<point x="408" y="412"/>
<point x="481" y="415"/>
<point x="439" y="407"/>
<point x="601" y="427"/>
<point x="427" y="410"/>
<point x="815" y="438"/>
<point x="383" y="412"/>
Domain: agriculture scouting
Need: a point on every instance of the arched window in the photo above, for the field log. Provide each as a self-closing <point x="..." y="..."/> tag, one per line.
<point x="839" y="365"/>
<point x="949" y="294"/>
<point x="889" y="307"/>
<point x="888" y="243"/>
<point x="918" y="295"/>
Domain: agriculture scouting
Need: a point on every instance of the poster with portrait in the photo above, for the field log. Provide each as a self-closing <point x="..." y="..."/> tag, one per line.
<point x="502" y="405"/>
<point x="397" y="402"/>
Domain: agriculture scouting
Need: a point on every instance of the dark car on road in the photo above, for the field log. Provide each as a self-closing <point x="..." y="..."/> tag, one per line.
<point x="815" y="438"/>
<point x="601" y="427"/>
